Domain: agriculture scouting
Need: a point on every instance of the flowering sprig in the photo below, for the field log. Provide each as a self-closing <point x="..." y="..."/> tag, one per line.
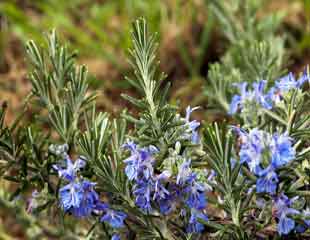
<point x="79" y="198"/>
<point x="252" y="104"/>
<point x="166" y="181"/>
<point x="264" y="154"/>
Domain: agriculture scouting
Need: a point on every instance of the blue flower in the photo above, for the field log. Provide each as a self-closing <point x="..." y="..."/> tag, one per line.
<point x="167" y="204"/>
<point x="235" y="104"/>
<point x="193" y="125"/>
<point x="253" y="144"/>
<point x="281" y="150"/>
<point x="253" y="97"/>
<point x="196" y="195"/>
<point x="289" y="82"/>
<point x="286" y="83"/>
<point x="140" y="162"/>
<point x="184" y="172"/>
<point x="69" y="173"/>
<point x="116" y="236"/>
<point x="143" y="191"/>
<point x="160" y="192"/>
<point x="88" y="200"/>
<point x="238" y="101"/>
<point x="70" y="196"/>
<point x="114" y="218"/>
<point x="306" y="213"/>
<point x="263" y="99"/>
<point x="79" y="198"/>
<point x="267" y="181"/>
<point x="282" y="212"/>
<point x="194" y="226"/>
<point x="33" y="201"/>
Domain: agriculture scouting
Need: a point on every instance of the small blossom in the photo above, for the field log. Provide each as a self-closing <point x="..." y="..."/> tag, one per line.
<point x="253" y="144"/>
<point x="69" y="173"/>
<point x="33" y="202"/>
<point x="283" y="210"/>
<point x="267" y="181"/>
<point x="184" y="172"/>
<point x="116" y="236"/>
<point x="143" y="191"/>
<point x="252" y="97"/>
<point x="282" y="151"/>
<point x="140" y="163"/>
<point x="114" y="218"/>
<point x="193" y="125"/>
<point x="196" y="195"/>
<point x="70" y="196"/>
<point x="88" y="200"/>
<point x="194" y="226"/>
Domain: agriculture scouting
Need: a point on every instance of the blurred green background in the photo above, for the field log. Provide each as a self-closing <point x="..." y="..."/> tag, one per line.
<point x="189" y="40"/>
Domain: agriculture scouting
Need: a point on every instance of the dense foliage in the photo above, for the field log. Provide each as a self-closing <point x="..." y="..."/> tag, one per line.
<point x="159" y="174"/>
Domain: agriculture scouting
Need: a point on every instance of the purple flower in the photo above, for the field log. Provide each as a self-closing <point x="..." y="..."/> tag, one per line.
<point x="283" y="211"/>
<point x="69" y="173"/>
<point x="194" y="226"/>
<point x="267" y="181"/>
<point x="114" y="218"/>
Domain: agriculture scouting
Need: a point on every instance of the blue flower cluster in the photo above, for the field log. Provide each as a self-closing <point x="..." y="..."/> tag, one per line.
<point x="259" y="97"/>
<point x="264" y="154"/>
<point x="162" y="190"/>
<point x="79" y="198"/>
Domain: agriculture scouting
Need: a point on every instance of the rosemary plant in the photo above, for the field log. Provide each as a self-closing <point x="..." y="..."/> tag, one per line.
<point x="158" y="174"/>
